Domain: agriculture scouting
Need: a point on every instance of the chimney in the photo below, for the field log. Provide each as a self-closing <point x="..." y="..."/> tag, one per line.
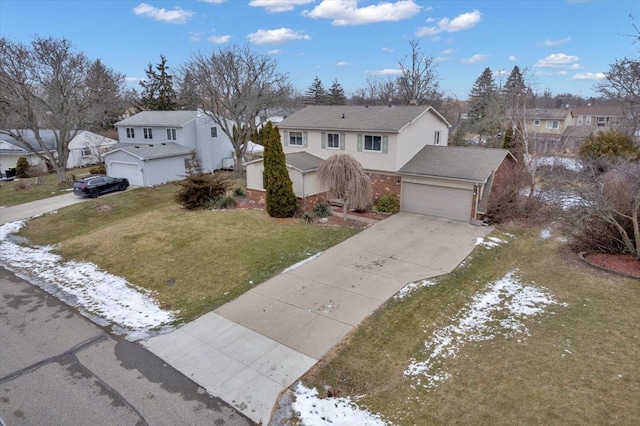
<point x="390" y="101"/>
<point x="413" y="102"/>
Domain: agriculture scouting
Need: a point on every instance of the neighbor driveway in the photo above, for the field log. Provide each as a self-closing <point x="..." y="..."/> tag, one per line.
<point x="35" y="208"/>
<point x="249" y="350"/>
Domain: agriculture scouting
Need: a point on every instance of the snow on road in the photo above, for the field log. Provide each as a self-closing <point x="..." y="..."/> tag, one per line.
<point x="105" y="298"/>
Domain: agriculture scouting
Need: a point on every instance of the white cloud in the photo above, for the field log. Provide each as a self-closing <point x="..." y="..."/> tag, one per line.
<point x="343" y="64"/>
<point x="219" y="39"/>
<point x="175" y="16"/>
<point x="386" y="71"/>
<point x="513" y="58"/>
<point x="500" y="73"/>
<point x="589" y="76"/>
<point x="274" y="52"/>
<point x="388" y="49"/>
<point x="131" y="79"/>
<point x="448" y="52"/>
<point x="475" y="58"/>
<point x="195" y="35"/>
<point x="212" y="1"/>
<point x="347" y="12"/>
<point x="576" y="67"/>
<point x="551" y="43"/>
<point x="459" y="23"/>
<point x="281" y="35"/>
<point x="557" y="60"/>
<point x="275" y="6"/>
<point x="442" y="58"/>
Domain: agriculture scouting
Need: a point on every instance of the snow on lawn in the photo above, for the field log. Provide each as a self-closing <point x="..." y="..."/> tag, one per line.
<point x="315" y="411"/>
<point x="568" y="163"/>
<point x="408" y="289"/>
<point x="489" y="242"/>
<point x="500" y="310"/>
<point x="105" y="298"/>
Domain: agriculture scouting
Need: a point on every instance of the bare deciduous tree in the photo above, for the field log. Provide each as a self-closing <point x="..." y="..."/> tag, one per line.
<point x="419" y="79"/>
<point x="345" y="178"/>
<point x="234" y="85"/>
<point x="96" y="144"/>
<point x="46" y="85"/>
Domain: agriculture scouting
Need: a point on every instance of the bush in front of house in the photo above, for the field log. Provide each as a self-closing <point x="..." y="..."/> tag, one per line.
<point x="322" y="210"/>
<point x="22" y="168"/>
<point x="239" y="192"/>
<point x="100" y="169"/>
<point x="388" y="203"/>
<point x="198" y="188"/>
<point x="221" y="202"/>
<point x="281" y="200"/>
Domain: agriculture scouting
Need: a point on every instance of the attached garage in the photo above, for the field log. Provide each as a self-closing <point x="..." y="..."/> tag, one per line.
<point x="425" y="198"/>
<point x="147" y="164"/>
<point x="450" y="182"/>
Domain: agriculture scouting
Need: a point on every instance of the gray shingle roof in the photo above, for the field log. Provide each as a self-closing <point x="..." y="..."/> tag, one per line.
<point x="159" y="118"/>
<point x="355" y="118"/>
<point x="455" y="162"/>
<point x="47" y="136"/>
<point x="554" y="114"/>
<point x="303" y="161"/>
<point x="151" y="151"/>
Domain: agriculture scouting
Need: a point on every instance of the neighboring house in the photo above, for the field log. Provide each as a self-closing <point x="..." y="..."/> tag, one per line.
<point x="545" y="128"/>
<point x="175" y="132"/>
<point x="302" y="168"/>
<point x="148" y="164"/>
<point x="84" y="149"/>
<point x="451" y="182"/>
<point x="598" y="116"/>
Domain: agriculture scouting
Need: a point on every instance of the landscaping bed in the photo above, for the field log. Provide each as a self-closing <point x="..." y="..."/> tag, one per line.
<point x="625" y="264"/>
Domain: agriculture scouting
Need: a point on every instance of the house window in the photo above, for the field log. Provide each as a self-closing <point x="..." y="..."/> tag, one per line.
<point x="214" y="132"/>
<point x="536" y="122"/>
<point x="553" y="124"/>
<point x="601" y="121"/>
<point x="615" y="121"/>
<point x="131" y="134"/>
<point x="171" y="134"/>
<point x="86" y="152"/>
<point x="295" y="138"/>
<point x="333" y="140"/>
<point x="148" y="133"/>
<point x="373" y="143"/>
<point x="436" y="138"/>
<point x="588" y="120"/>
<point x="579" y="119"/>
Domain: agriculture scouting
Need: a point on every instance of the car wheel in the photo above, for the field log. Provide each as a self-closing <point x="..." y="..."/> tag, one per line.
<point x="94" y="193"/>
<point x="122" y="186"/>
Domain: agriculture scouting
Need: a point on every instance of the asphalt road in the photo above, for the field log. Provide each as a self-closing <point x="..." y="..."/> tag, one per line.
<point x="58" y="368"/>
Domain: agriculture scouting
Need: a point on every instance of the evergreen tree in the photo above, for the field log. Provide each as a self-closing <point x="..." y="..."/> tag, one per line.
<point x="485" y="106"/>
<point x="316" y="93"/>
<point x="509" y="141"/>
<point x="188" y="97"/>
<point x="336" y="94"/>
<point x="515" y="84"/>
<point x="281" y="200"/>
<point x="157" y="90"/>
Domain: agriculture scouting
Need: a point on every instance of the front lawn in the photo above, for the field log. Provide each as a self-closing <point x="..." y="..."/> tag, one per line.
<point x="193" y="261"/>
<point x="575" y="361"/>
<point x="24" y="190"/>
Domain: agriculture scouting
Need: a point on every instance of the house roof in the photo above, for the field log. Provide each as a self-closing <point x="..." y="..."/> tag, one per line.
<point x="554" y="114"/>
<point x="599" y="111"/>
<point x="303" y="161"/>
<point x="159" y="118"/>
<point x="47" y="136"/>
<point x="150" y="151"/>
<point x="356" y="118"/>
<point x="455" y="162"/>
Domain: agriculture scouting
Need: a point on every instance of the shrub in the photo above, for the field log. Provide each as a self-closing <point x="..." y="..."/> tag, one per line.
<point x="281" y="200"/>
<point x="607" y="147"/>
<point x="198" y="188"/>
<point x="98" y="170"/>
<point x="307" y="217"/>
<point x="388" y="203"/>
<point x="22" y="168"/>
<point x="239" y="192"/>
<point x="220" y="202"/>
<point x="322" y="210"/>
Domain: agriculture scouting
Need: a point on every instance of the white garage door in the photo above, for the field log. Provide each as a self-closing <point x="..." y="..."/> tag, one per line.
<point x="126" y="170"/>
<point x="450" y="203"/>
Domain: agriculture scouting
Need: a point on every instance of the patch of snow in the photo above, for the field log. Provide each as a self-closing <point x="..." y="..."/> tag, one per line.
<point x="315" y="411"/>
<point x="302" y="262"/>
<point x="545" y="234"/>
<point x="489" y="242"/>
<point x="568" y="163"/>
<point x="103" y="297"/>
<point x="497" y="311"/>
<point x="408" y="289"/>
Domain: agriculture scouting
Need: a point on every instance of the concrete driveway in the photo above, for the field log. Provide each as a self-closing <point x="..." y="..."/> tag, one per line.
<point x="249" y="350"/>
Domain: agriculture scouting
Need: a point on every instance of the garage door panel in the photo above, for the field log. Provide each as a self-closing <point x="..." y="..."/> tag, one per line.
<point x="126" y="170"/>
<point x="440" y="201"/>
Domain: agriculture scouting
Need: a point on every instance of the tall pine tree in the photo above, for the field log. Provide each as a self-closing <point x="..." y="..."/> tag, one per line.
<point x="485" y="106"/>
<point x="157" y="89"/>
<point x="316" y="94"/>
<point x="281" y="200"/>
<point x="336" y="94"/>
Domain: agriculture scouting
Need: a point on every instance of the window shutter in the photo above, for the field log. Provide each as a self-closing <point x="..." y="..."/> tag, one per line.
<point x="342" y="141"/>
<point x="385" y="144"/>
<point x="323" y="136"/>
<point x="359" y="143"/>
<point x="304" y="139"/>
<point x="286" y="137"/>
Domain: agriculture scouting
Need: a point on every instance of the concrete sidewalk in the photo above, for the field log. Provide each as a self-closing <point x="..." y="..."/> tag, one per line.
<point x="35" y="208"/>
<point x="249" y="350"/>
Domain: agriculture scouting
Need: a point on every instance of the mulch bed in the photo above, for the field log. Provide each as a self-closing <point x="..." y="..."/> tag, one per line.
<point x="625" y="264"/>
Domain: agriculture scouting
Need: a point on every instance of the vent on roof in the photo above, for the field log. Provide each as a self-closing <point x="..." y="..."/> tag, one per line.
<point x="136" y="146"/>
<point x="162" y="143"/>
<point x="343" y="115"/>
<point x="150" y="144"/>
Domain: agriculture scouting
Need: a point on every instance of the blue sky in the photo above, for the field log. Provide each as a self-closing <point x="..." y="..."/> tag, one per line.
<point x="565" y="44"/>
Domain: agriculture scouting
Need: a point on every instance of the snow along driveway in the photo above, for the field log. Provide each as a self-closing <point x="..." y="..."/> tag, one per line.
<point x="104" y="298"/>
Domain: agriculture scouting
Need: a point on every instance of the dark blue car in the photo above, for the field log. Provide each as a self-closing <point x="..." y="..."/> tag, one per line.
<point x="96" y="185"/>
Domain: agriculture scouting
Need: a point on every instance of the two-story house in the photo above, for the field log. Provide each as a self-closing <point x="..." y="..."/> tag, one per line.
<point x="545" y="128"/>
<point x="155" y="145"/>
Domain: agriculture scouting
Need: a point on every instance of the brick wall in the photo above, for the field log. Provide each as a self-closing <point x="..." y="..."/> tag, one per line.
<point x="305" y="204"/>
<point x="382" y="184"/>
